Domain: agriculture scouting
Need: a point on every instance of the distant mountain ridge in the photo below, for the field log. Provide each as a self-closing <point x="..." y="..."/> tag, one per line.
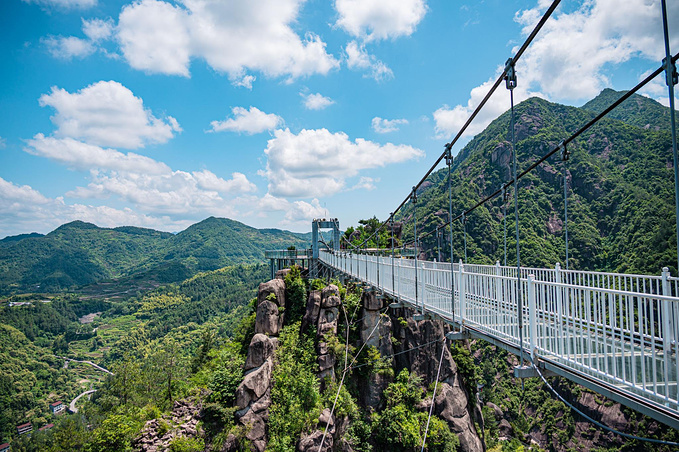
<point x="79" y="253"/>
<point x="620" y="189"/>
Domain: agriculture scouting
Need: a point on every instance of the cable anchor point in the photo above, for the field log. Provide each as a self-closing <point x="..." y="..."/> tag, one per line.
<point x="510" y="74"/>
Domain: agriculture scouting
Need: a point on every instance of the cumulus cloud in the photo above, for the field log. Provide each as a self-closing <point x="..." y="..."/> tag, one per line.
<point x="98" y="29"/>
<point x="579" y="45"/>
<point x="107" y="114"/>
<point x="316" y="101"/>
<point x="67" y="48"/>
<point x="250" y="121"/>
<point x="232" y="37"/>
<point x="317" y="162"/>
<point x="568" y="59"/>
<point x="239" y="183"/>
<point x="358" y="58"/>
<point x="27" y="210"/>
<point x="83" y="156"/>
<point x="379" y="19"/>
<point x="65" y="4"/>
<point x="381" y="125"/>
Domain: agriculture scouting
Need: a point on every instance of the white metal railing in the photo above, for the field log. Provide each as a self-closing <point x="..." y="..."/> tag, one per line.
<point x="620" y="329"/>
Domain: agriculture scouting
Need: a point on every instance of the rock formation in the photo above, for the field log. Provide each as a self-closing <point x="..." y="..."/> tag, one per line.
<point x="157" y="434"/>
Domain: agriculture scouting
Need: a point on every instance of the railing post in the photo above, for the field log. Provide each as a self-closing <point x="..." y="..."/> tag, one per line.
<point x="532" y="316"/>
<point x="559" y="306"/>
<point x="668" y="338"/>
<point x="422" y="290"/>
<point x="462" y="293"/>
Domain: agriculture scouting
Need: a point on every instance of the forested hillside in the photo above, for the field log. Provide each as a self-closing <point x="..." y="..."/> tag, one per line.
<point x="169" y="323"/>
<point x="620" y="190"/>
<point x="79" y="253"/>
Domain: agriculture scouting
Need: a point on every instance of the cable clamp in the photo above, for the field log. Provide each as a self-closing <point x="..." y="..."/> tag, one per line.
<point x="464" y="218"/>
<point x="510" y="74"/>
<point x="413" y="196"/>
<point x="565" y="153"/>
<point x="449" y="154"/>
<point x="670" y="71"/>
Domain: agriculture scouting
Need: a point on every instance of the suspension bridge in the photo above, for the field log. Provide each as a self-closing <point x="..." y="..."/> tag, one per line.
<point x="616" y="334"/>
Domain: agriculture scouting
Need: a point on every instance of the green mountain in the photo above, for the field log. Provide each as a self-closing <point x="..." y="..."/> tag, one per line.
<point x="80" y="253"/>
<point x="620" y="200"/>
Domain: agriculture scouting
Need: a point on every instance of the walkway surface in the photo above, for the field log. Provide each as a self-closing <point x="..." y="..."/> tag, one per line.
<point x="614" y="333"/>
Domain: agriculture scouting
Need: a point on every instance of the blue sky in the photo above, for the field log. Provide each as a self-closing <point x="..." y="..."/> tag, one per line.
<point x="273" y="112"/>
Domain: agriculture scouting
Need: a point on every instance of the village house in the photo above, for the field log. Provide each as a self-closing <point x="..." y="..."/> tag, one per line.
<point x="44" y="427"/>
<point x="4" y="447"/>
<point x="57" y="407"/>
<point x="24" y="428"/>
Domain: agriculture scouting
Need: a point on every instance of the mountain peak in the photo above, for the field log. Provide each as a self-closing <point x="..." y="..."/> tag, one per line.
<point x="639" y="111"/>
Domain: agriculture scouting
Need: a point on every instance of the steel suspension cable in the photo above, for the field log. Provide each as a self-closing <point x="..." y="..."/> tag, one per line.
<point x="483" y="102"/>
<point x="595" y="422"/>
<point x="433" y="397"/>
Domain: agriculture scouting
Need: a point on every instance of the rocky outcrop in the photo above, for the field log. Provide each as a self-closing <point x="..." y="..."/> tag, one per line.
<point x="270" y="307"/>
<point x="158" y="434"/>
<point x="375" y="332"/>
<point x="452" y="402"/>
<point x="253" y="395"/>
<point x="328" y="313"/>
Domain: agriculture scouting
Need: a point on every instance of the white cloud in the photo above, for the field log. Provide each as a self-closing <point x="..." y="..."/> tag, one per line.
<point x="98" y="29"/>
<point x="580" y="45"/>
<point x="3" y="143"/>
<point x="246" y="81"/>
<point x="66" y="48"/>
<point x="567" y="60"/>
<point x="657" y="89"/>
<point x="381" y="125"/>
<point x="83" y="156"/>
<point x="248" y="121"/>
<point x="302" y="211"/>
<point x="238" y="184"/>
<point x="232" y="37"/>
<point x="316" y="101"/>
<point x="379" y="19"/>
<point x="318" y="162"/>
<point x="107" y="114"/>
<point x="358" y="58"/>
<point x="27" y="210"/>
<point x="66" y="4"/>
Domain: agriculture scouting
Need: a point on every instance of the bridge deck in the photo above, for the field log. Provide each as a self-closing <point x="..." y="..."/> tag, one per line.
<point x="616" y="334"/>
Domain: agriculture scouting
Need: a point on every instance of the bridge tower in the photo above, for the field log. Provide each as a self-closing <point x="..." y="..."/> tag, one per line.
<point x="316" y="242"/>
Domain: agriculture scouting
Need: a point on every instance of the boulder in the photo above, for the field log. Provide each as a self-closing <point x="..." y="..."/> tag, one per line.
<point x="275" y="287"/>
<point x="327" y="321"/>
<point x="312" y="441"/>
<point x="371" y="301"/>
<point x="254" y="385"/>
<point x="451" y="406"/>
<point x="330" y="290"/>
<point x="268" y="319"/>
<point x="313" y="307"/>
<point x="281" y="274"/>
<point x="260" y="349"/>
<point x="497" y="411"/>
<point x="326" y="362"/>
<point x="331" y="301"/>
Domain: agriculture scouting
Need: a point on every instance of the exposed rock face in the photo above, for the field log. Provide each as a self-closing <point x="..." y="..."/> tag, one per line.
<point x="261" y="348"/>
<point x="253" y="395"/>
<point x="452" y="402"/>
<point x="281" y="274"/>
<point x="313" y="308"/>
<point x="270" y="298"/>
<point x="327" y="326"/>
<point x="157" y="434"/>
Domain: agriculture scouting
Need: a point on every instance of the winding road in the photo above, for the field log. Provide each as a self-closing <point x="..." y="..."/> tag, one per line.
<point x="71" y="406"/>
<point x="96" y="366"/>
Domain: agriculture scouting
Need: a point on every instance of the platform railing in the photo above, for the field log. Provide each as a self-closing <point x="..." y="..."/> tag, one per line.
<point x="619" y="329"/>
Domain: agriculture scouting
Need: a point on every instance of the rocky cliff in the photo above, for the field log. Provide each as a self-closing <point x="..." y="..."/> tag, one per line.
<point x="398" y="339"/>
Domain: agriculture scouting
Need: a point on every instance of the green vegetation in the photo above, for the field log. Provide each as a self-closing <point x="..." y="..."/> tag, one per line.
<point x="621" y="193"/>
<point x="80" y="253"/>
